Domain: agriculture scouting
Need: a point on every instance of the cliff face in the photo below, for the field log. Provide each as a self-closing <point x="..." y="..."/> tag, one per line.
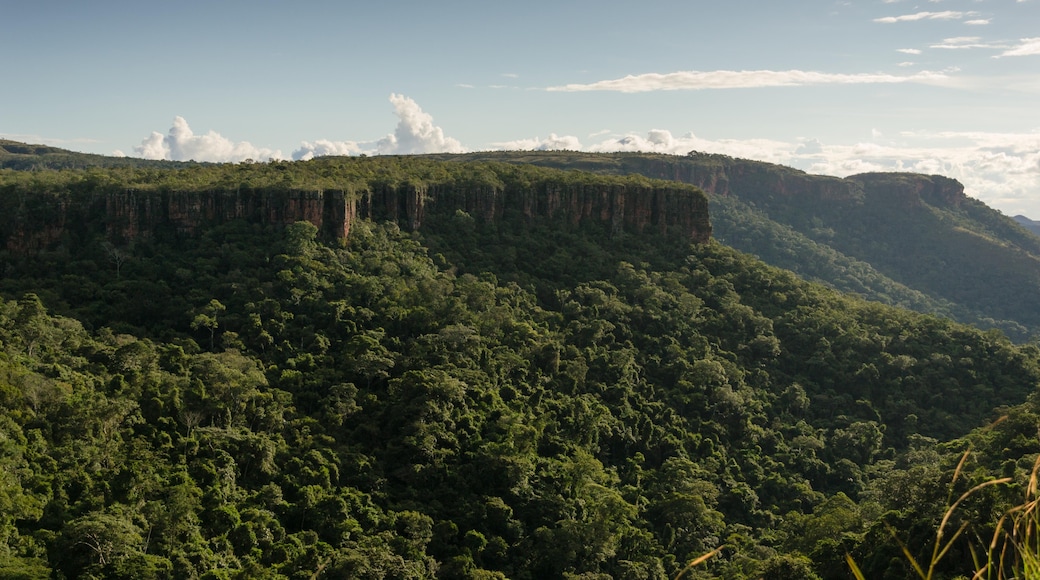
<point x="766" y="184"/>
<point x="124" y="215"/>
<point x="620" y="207"/>
<point x="749" y="180"/>
<point x="911" y="190"/>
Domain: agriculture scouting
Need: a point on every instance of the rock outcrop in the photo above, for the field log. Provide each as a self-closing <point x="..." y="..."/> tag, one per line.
<point x="42" y="221"/>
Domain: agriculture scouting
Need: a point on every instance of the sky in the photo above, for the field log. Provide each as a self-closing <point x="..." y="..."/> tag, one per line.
<point x="948" y="87"/>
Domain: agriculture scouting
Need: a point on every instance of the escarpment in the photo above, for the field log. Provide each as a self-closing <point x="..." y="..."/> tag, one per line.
<point x="766" y="185"/>
<point x="43" y="218"/>
<point x="912" y="190"/>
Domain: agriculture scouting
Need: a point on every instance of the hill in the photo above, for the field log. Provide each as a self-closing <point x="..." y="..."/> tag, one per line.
<point x="495" y="371"/>
<point x="27" y="157"/>
<point x="1031" y="225"/>
<point x="911" y="240"/>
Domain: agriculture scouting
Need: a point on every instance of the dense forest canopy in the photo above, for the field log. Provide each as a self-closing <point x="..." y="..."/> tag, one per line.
<point x="476" y="398"/>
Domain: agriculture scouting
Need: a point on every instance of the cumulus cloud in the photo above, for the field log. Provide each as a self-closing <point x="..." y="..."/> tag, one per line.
<point x="182" y="144"/>
<point x="324" y="147"/>
<point x="909" y="50"/>
<point x="725" y="79"/>
<point x="1025" y="47"/>
<point x="415" y="132"/>
<point x="553" y="142"/>
<point x="944" y="15"/>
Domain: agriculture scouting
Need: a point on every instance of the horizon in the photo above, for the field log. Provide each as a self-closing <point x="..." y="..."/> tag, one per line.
<point x="834" y="88"/>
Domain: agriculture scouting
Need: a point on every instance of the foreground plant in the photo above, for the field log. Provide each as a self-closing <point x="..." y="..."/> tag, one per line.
<point x="942" y="545"/>
<point x="1014" y="551"/>
<point x="698" y="561"/>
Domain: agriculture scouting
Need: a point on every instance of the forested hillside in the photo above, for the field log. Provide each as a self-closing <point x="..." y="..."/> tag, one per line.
<point x="486" y="396"/>
<point x="25" y="156"/>
<point x="910" y="240"/>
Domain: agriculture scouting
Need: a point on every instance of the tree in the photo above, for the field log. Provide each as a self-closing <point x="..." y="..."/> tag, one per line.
<point x="206" y="317"/>
<point x="96" y="541"/>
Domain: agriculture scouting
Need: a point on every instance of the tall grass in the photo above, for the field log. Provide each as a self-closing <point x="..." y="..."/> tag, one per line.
<point x="1013" y="551"/>
<point x="697" y="562"/>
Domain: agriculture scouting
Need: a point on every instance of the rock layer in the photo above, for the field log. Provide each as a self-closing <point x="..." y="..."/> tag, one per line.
<point x="46" y="220"/>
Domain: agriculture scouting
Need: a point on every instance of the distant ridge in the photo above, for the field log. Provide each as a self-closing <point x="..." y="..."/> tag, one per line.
<point x="26" y="157"/>
<point x="900" y="238"/>
<point x="911" y="240"/>
<point x="1031" y="225"/>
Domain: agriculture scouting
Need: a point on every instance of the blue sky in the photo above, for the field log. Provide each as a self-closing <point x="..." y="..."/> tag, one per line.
<point x="835" y="87"/>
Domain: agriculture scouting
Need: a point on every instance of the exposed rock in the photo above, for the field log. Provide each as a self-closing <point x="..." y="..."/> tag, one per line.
<point x="124" y="215"/>
<point x="911" y="189"/>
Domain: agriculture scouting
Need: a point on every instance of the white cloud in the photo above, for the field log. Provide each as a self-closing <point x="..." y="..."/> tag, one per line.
<point x="1026" y="47"/>
<point x="964" y="42"/>
<point x="552" y="143"/>
<point x="809" y="147"/>
<point x="324" y="147"/>
<point x="909" y="50"/>
<point x="415" y="132"/>
<point x="182" y="144"/>
<point x="944" y="15"/>
<point x="662" y="141"/>
<point x="724" y="79"/>
<point x="980" y="22"/>
<point x="154" y="147"/>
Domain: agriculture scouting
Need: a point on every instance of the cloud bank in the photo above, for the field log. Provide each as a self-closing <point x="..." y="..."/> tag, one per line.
<point x="415" y="133"/>
<point x="726" y="79"/>
<point x="181" y="144"/>
<point x="553" y="142"/>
